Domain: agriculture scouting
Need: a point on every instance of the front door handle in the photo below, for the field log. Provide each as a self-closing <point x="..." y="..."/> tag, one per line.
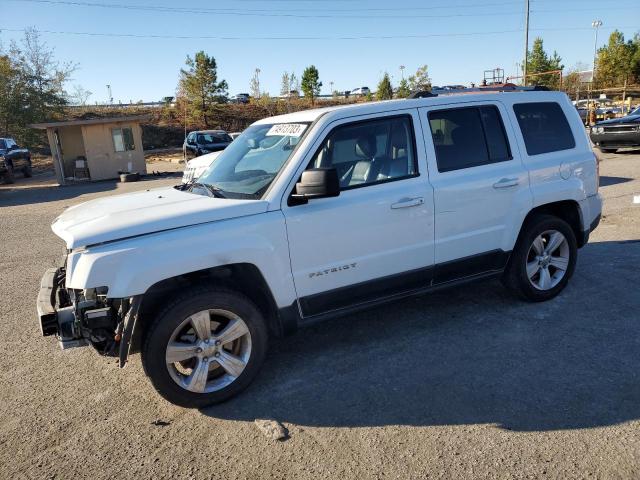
<point x="408" y="202"/>
<point x="506" y="182"/>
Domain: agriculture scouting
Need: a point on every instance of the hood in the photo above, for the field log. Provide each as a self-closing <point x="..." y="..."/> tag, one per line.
<point x="627" y="119"/>
<point x="204" y="160"/>
<point x="121" y="216"/>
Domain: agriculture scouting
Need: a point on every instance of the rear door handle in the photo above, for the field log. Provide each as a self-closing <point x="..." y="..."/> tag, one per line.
<point x="408" y="202"/>
<point x="506" y="183"/>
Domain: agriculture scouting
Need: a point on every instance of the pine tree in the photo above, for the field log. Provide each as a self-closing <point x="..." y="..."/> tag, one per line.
<point x="403" y="89"/>
<point x="538" y="61"/>
<point x="199" y="83"/>
<point x="384" y="90"/>
<point x="311" y="83"/>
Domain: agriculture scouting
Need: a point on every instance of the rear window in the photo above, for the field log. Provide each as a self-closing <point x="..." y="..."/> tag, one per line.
<point x="213" y="138"/>
<point x="544" y="127"/>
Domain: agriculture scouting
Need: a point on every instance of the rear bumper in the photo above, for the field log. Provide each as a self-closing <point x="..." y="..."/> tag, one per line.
<point x="591" y="210"/>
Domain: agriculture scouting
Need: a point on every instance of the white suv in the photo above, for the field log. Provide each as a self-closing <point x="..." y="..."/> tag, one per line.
<point x="319" y="213"/>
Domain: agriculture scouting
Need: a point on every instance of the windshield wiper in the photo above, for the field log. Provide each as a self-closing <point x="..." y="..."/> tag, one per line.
<point x="214" y="191"/>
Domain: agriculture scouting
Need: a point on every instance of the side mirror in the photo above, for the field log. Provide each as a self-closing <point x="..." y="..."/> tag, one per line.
<point x="316" y="183"/>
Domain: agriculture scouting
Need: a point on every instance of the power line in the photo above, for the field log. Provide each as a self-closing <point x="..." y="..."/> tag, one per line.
<point x="270" y="12"/>
<point x="283" y="37"/>
<point x="248" y="13"/>
<point x="262" y="10"/>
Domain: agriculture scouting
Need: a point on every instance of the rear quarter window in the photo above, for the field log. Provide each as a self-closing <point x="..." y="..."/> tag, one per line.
<point x="544" y="127"/>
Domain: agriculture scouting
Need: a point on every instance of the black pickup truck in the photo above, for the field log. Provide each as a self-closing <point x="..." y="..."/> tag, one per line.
<point x="12" y="159"/>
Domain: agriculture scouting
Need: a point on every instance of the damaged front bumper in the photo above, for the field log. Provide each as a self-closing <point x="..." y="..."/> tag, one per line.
<point x="61" y="321"/>
<point x="85" y="317"/>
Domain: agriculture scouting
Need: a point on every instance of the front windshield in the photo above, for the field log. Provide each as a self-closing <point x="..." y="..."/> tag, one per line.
<point x="246" y="168"/>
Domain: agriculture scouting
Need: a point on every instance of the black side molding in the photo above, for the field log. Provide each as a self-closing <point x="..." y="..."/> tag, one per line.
<point x="391" y="287"/>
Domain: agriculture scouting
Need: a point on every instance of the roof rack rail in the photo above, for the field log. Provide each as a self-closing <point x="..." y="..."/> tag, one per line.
<point x="491" y="88"/>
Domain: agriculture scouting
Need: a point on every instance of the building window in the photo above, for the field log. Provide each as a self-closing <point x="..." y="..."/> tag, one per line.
<point x="122" y="139"/>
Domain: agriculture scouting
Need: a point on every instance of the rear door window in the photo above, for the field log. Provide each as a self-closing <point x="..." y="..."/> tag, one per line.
<point x="468" y="137"/>
<point x="544" y="127"/>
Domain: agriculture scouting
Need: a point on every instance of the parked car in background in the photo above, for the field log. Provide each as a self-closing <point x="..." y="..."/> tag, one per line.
<point x="240" y="98"/>
<point x="604" y="108"/>
<point x="13" y="159"/>
<point x="197" y="166"/>
<point x="610" y="135"/>
<point x="320" y="213"/>
<point x="205" y="141"/>
<point x="360" y="91"/>
<point x="234" y="135"/>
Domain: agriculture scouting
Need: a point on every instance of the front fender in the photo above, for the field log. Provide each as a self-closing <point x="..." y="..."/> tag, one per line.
<point x="129" y="267"/>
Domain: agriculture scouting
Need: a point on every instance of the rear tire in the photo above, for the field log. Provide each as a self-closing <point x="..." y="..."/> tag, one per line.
<point x="178" y="323"/>
<point x="8" y="175"/>
<point x="129" y="177"/>
<point x="543" y="261"/>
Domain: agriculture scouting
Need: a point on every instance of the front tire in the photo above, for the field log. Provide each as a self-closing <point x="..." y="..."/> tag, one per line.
<point x="544" y="259"/>
<point x="8" y="175"/>
<point x="205" y="347"/>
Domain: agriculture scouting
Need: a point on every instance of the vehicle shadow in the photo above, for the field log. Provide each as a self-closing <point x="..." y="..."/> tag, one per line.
<point x="628" y="151"/>
<point x="470" y="355"/>
<point x="21" y="194"/>
<point x="608" y="181"/>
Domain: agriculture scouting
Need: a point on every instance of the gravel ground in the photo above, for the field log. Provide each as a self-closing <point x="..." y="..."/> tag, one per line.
<point x="463" y="383"/>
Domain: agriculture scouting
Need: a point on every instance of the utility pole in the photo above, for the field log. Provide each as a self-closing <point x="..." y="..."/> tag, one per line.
<point x="526" y="43"/>
<point x="331" y="87"/>
<point x="596" y="24"/>
<point x="110" y="96"/>
<point x="402" y="71"/>
<point x="185" y="119"/>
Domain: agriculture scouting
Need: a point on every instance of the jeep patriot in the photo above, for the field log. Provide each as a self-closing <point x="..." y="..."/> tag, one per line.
<point x="320" y="213"/>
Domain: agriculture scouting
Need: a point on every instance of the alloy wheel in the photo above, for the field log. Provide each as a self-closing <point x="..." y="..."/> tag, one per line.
<point x="548" y="260"/>
<point x="208" y="351"/>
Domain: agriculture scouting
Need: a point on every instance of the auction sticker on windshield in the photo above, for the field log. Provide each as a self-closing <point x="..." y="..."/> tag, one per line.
<point x="287" y="129"/>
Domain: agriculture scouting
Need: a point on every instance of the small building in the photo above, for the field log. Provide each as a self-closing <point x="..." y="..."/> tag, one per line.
<point x="95" y="149"/>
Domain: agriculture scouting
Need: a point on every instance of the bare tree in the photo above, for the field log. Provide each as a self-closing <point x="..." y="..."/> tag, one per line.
<point x="81" y="95"/>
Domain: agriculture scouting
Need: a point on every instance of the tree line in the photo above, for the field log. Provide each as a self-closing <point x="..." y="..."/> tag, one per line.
<point x="31" y="86"/>
<point x="617" y="63"/>
<point x="32" y="81"/>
